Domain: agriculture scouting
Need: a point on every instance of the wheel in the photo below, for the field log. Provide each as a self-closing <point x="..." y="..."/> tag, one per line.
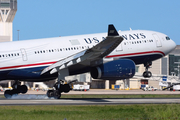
<point x="23" y="89"/>
<point x="66" y="88"/>
<point x="57" y="94"/>
<point x="19" y="90"/>
<point x="8" y="94"/>
<point x="147" y="74"/>
<point x="50" y="93"/>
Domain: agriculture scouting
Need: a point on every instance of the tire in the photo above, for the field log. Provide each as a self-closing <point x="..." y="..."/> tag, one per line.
<point x="57" y="94"/>
<point x="50" y="93"/>
<point x="24" y="89"/>
<point x="147" y="74"/>
<point x="66" y="88"/>
<point x="8" y="94"/>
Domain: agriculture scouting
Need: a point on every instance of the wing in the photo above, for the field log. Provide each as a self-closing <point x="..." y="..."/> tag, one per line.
<point x="89" y="57"/>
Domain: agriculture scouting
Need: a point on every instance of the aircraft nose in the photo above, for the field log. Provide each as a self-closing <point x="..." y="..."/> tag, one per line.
<point x="169" y="45"/>
<point x="173" y="45"/>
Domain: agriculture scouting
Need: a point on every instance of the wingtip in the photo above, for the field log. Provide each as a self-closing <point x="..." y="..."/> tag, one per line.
<point x="112" y="30"/>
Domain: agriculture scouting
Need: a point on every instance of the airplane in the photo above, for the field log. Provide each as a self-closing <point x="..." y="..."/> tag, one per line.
<point x="108" y="56"/>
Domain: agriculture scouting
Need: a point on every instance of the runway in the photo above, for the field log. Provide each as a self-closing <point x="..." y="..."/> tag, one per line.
<point x="40" y="98"/>
<point x="87" y="101"/>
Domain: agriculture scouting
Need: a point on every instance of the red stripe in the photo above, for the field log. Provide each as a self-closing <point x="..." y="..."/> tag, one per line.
<point x="28" y="65"/>
<point x="135" y="54"/>
<point x="36" y="64"/>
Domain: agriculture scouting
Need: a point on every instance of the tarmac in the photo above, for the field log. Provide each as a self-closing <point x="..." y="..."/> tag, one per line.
<point x="103" y="91"/>
<point x="40" y="98"/>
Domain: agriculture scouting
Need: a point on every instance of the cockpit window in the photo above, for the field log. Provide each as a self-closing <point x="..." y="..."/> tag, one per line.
<point x="167" y="38"/>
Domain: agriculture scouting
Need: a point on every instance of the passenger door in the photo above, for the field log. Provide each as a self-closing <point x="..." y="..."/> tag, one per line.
<point x="158" y="41"/>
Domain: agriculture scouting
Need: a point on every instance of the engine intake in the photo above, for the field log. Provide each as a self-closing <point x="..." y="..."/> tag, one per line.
<point x="114" y="70"/>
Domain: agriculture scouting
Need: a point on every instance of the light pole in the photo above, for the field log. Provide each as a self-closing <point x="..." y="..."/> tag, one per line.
<point x="18" y="34"/>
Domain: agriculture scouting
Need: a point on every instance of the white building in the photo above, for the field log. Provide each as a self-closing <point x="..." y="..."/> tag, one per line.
<point x="8" y="10"/>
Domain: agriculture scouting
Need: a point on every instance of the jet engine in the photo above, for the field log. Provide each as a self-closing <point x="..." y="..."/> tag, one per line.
<point x="114" y="70"/>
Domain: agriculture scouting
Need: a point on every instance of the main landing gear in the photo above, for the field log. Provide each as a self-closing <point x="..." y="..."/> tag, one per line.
<point x="59" y="87"/>
<point x="147" y="74"/>
<point x="17" y="88"/>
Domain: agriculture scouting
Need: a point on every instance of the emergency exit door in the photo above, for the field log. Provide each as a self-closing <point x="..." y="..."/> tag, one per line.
<point x="119" y="48"/>
<point x="24" y="55"/>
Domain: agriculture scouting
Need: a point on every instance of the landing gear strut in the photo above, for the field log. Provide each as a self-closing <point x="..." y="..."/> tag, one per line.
<point x="59" y="87"/>
<point x="17" y="88"/>
<point x="147" y="74"/>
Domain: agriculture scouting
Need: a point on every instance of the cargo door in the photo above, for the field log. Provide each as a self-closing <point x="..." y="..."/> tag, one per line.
<point x="158" y="41"/>
<point x="24" y="55"/>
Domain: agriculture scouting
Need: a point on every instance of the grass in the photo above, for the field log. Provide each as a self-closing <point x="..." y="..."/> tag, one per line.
<point x="91" y="112"/>
<point x="95" y="112"/>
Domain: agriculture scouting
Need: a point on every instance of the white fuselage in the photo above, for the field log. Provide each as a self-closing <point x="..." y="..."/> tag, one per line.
<point x="138" y="45"/>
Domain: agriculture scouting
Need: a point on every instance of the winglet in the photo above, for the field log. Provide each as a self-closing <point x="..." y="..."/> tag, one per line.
<point x="112" y="31"/>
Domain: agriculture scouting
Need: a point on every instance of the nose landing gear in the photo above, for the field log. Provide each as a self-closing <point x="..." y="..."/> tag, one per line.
<point x="147" y="74"/>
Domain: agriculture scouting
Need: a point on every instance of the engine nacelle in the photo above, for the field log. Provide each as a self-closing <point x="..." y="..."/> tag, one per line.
<point x="114" y="70"/>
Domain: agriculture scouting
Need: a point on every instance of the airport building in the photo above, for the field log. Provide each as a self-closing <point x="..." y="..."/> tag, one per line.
<point x="8" y="10"/>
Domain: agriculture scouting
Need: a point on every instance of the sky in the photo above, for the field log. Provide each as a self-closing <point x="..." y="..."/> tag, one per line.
<point x="53" y="18"/>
